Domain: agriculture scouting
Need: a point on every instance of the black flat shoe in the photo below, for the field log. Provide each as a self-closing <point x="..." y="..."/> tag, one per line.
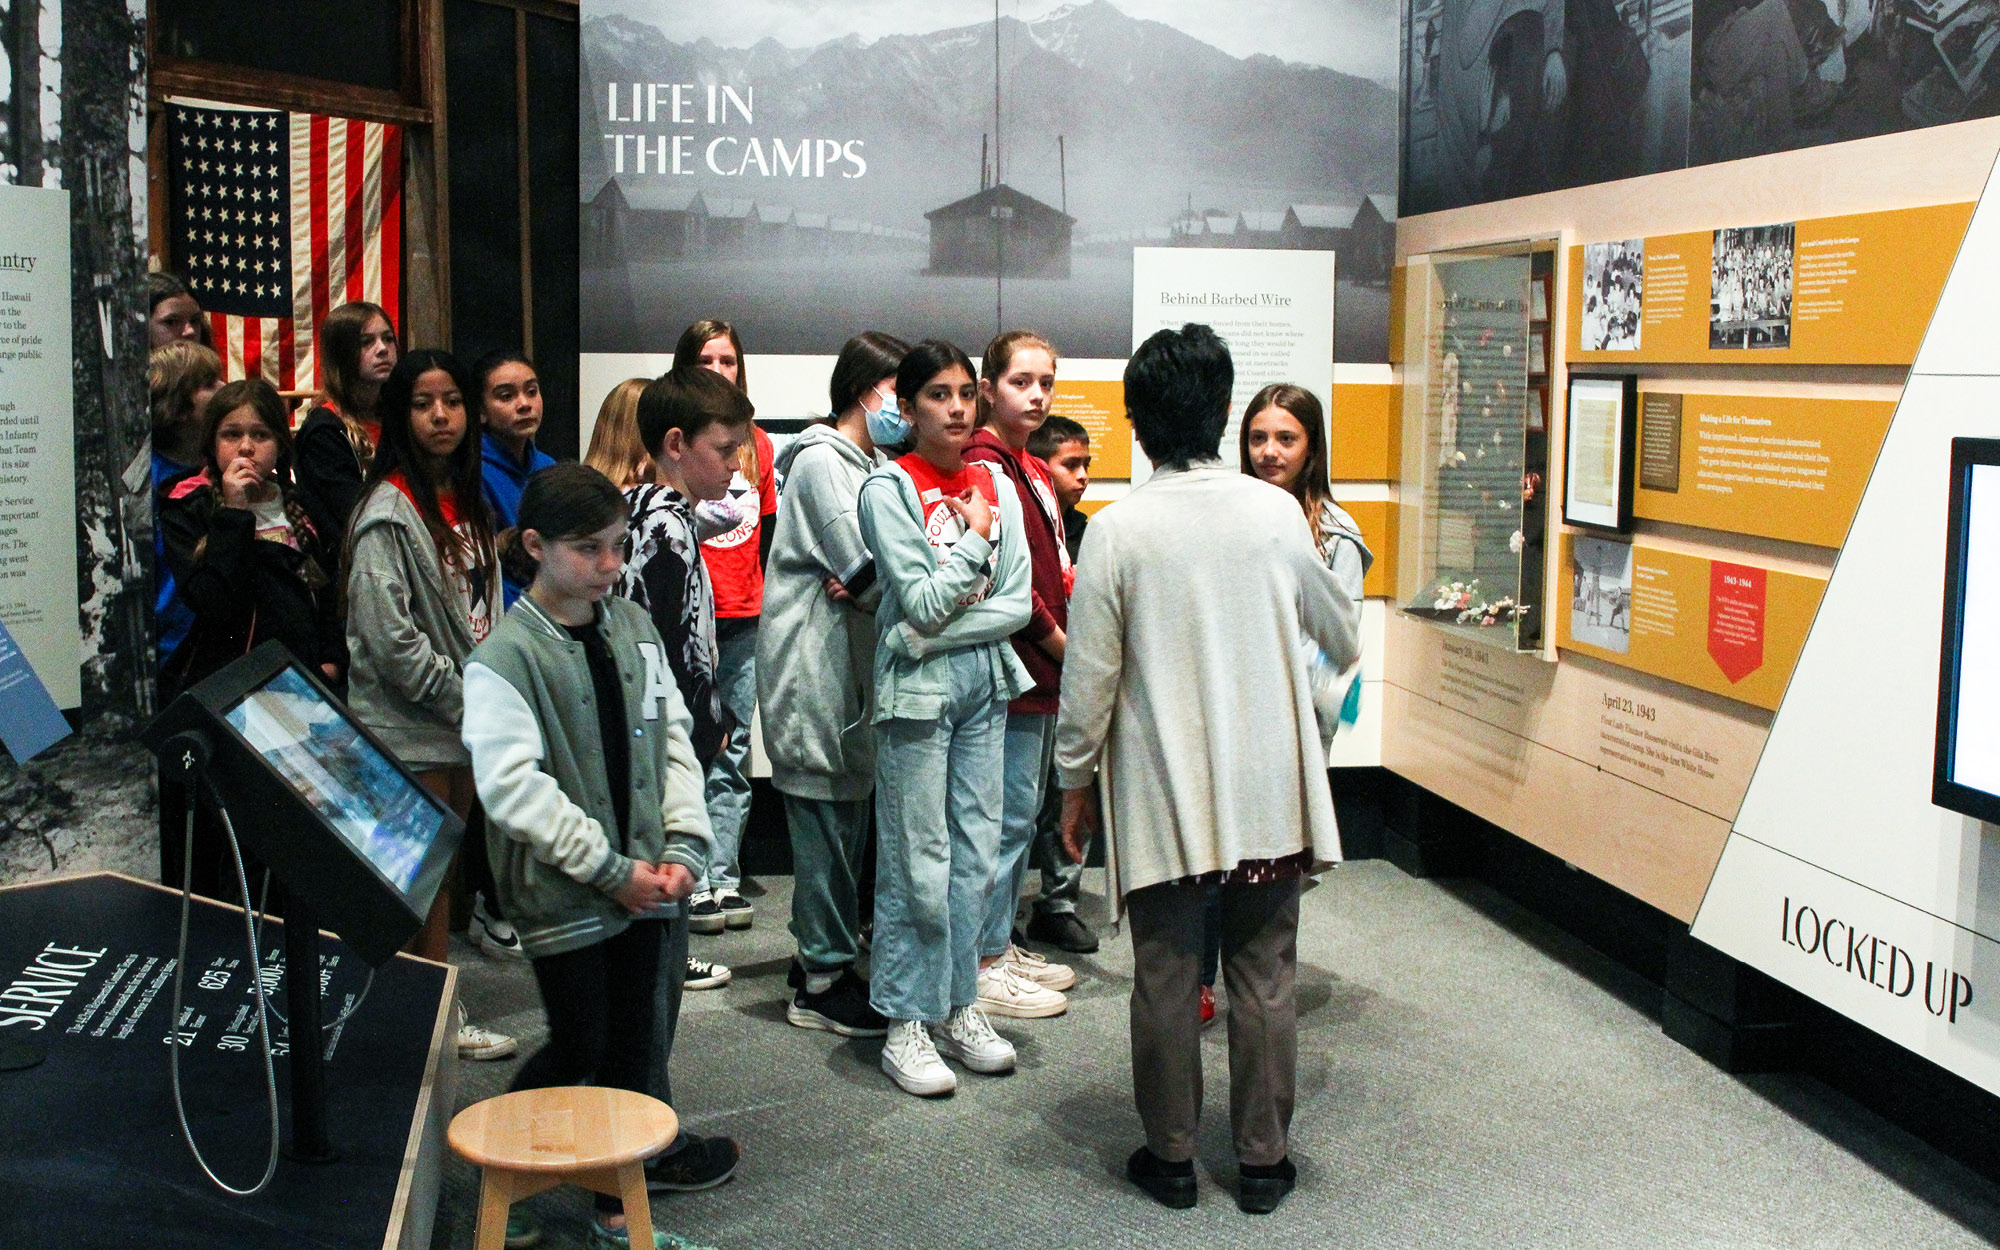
<point x="1260" y="1190"/>
<point x="1170" y="1184"/>
<point x="1063" y="930"/>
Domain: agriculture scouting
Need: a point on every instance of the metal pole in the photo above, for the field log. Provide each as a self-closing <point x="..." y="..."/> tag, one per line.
<point x="307" y="1060"/>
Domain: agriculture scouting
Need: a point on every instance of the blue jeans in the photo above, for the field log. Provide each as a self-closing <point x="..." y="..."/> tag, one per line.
<point x="937" y="816"/>
<point x="728" y="778"/>
<point x="1031" y="742"/>
<point x="829" y="840"/>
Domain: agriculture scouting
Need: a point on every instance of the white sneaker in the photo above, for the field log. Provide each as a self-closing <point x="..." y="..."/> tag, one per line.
<point x="494" y="937"/>
<point x="1028" y="964"/>
<point x="968" y="1037"/>
<point x="477" y="1042"/>
<point x="911" y="1060"/>
<point x="1004" y="992"/>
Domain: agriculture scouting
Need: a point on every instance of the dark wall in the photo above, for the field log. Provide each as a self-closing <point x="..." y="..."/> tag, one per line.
<point x="485" y="144"/>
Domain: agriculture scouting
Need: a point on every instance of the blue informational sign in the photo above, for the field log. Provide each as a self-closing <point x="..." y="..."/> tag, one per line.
<point x="30" y="721"/>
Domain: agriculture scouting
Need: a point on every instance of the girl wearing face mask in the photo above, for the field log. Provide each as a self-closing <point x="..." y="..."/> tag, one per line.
<point x="336" y="443"/>
<point x="815" y="679"/>
<point x="250" y="568"/>
<point x="423" y="589"/>
<point x="952" y="557"/>
<point x="1016" y="385"/>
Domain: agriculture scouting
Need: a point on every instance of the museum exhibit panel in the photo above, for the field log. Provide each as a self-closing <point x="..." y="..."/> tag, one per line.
<point x="1655" y="350"/>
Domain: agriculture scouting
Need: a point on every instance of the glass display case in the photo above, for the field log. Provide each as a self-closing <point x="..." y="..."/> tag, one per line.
<point x="1479" y="353"/>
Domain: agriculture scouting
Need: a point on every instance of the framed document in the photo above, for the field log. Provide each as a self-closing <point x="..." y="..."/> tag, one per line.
<point x="1538" y="351"/>
<point x="1966" y="767"/>
<point x="1597" y="469"/>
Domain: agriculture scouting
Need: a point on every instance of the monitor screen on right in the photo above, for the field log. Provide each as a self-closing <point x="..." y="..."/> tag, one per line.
<point x="388" y="819"/>
<point x="1967" y="770"/>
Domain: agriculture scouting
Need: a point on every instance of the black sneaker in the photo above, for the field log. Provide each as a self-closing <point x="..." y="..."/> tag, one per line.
<point x="1259" y="1190"/>
<point x="705" y="914"/>
<point x="703" y="975"/>
<point x="1064" y="931"/>
<point x="1170" y="1184"/>
<point x="842" y="1008"/>
<point x="703" y="1163"/>
<point x="737" y="913"/>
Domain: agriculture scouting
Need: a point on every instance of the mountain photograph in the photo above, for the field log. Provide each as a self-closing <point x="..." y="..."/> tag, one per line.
<point x="892" y="182"/>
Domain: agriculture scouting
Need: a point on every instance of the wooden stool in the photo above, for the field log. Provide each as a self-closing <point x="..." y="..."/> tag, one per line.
<point x="531" y="1141"/>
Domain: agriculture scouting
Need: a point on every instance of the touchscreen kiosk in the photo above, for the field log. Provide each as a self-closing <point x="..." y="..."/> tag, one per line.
<point x="340" y="821"/>
<point x="1967" y="772"/>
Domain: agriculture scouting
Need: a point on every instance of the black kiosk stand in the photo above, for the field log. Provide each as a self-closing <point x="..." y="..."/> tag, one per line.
<point x="348" y="832"/>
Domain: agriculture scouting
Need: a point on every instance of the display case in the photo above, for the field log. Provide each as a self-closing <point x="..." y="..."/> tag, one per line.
<point x="1479" y="353"/>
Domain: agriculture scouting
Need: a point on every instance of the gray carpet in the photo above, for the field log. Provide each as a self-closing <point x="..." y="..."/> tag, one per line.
<point x="1468" y="1076"/>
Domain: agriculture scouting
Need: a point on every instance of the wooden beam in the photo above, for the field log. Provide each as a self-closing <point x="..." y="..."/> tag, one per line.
<point x="427" y="195"/>
<point x="561" y="10"/>
<point x="237" y="84"/>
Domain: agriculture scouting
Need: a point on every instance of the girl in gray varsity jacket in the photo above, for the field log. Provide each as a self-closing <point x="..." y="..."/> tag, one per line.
<point x="595" y="815"/>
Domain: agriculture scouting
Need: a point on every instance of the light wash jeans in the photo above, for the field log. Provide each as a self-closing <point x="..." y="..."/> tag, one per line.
<point x="937" y="818"/>
<point x="829" y="841"/>
<point x="729" y="777"/>
<point x="1031" y="744"/>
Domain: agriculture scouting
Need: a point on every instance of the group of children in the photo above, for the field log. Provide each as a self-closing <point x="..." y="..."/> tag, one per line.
<point x="579" y="648"/>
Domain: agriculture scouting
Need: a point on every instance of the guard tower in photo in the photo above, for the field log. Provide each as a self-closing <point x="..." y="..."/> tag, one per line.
<point x="1000" y="231"/>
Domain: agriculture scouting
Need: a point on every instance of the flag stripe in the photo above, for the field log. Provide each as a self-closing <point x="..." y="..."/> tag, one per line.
<point x="250" y="334"/>
<point x="355" y="149"/>
<point x="391" y="247"/>
<point x="371" y="214"/>
<point x="320" y="160"/>
<point x="304" y="372"/>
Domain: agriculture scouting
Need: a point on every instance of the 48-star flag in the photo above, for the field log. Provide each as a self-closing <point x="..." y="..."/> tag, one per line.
<point x="281" y="217"/>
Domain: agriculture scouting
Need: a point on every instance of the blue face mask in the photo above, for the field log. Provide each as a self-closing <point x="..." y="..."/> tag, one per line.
<point x="887" y="425"/>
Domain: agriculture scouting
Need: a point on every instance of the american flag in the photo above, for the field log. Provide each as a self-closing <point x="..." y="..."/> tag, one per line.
<point x="281" y="217"/>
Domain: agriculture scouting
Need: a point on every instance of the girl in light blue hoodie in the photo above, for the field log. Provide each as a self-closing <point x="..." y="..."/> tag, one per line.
<point x="952" y="558"/>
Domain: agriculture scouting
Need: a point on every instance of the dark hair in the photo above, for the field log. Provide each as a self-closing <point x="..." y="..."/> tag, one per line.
<point x="999" y="358"/>
<point x="1177" y="394"/>
<point x="695" y="337"/>
<point x="486" y="366"/>
<point x="1053" y="433"/>
<point x="689" y="398"/>
<point x="1314" y="484"/>
<point x="162" y="286"/>
<point x="925" y="361"/>
<point x="397" y="452"/>
<point x="865" y="360"/>
<point x="260" y="397"/>
<point x="563" y="501"/>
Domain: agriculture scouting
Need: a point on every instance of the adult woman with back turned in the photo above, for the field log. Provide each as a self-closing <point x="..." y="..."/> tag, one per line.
<point x="1230" y="789"/>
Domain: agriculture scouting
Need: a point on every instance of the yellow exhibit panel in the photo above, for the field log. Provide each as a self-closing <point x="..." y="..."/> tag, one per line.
<point x="1099" y="407"/>
<point x="1852" y="290"/>
<point x="1365" y="438"/>
<point x="1728" y="627"/>
<point x="1772" y="466"/>
<point x="1377" y="521"/>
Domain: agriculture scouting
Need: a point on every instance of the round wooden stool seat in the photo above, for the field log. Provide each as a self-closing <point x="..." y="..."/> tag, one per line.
<point x="532" y="1140"/>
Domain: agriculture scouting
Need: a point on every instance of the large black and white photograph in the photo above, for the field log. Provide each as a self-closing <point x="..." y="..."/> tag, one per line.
<point x="72" y="118"/>
<point x="1614" y="284"/>
<point x="1600" y="608"/>
<point x="1772" y="75"/>
<point x="810" y="168"/>
<point x="1505" y="98"/>
<point x="1750" y="288"/>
